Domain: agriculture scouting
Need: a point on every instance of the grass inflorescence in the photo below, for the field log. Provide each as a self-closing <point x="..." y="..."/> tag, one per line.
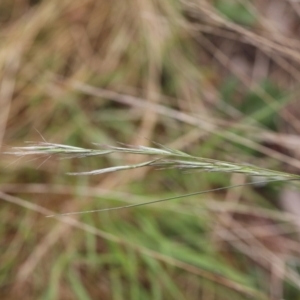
<point x="166" y="159"/>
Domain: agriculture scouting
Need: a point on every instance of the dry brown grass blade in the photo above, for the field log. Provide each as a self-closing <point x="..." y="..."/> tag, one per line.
<point x="253" y="38"/>
<point x="7" y="88"/>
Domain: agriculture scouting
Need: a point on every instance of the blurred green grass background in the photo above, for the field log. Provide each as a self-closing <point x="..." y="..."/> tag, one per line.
<point x="217" y="79"/>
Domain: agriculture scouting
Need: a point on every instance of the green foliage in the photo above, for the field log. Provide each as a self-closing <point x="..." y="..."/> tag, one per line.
<point x="236" y="11"/>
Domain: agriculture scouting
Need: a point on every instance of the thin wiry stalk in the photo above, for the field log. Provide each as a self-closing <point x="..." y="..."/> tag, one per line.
<point x="162" y="200"/>
<point x="186" y="161"/>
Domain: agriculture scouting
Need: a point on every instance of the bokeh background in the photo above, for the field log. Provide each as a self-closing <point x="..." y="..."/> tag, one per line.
<point x="215" y="78"/>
